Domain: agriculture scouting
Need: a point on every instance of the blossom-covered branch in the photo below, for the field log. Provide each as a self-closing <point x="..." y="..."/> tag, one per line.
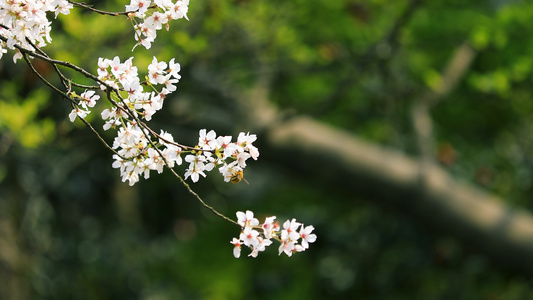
<point x="138" y="149"/>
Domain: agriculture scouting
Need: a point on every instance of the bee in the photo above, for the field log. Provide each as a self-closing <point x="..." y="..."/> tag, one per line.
<point x="237" y="177"/>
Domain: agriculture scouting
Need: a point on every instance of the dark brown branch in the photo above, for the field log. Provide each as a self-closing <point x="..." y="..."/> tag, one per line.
<point x="58" y="62"/>
<point x="99" y="137"/>
<point x="46" y="82"/>
<point x="64" y="80"/>
<point x="65" y="95"/>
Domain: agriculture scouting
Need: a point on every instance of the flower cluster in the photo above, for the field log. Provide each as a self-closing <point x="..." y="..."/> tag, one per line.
<point x="24" y="23"/>
<point x="217" y="151"/>
<point x="167" y="10"/>
<point x="138" y="155"/>
<point x="139" y="149"/>
<point x="258" y="236"/>
<point x="86" y="100"/>
<point x="124" y="76"/>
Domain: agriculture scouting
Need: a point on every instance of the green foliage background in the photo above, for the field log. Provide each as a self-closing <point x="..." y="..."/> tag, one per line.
<point x="69" y="229"/>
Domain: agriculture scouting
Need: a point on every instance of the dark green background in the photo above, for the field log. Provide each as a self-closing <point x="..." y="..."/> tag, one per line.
<point x="69" y="229"/>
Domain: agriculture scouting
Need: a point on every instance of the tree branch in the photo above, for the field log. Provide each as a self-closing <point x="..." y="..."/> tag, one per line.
<point x="453" y="73"/>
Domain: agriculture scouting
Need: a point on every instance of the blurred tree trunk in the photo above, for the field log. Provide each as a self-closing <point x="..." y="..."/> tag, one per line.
<point x="416" y="186"/>
<point x="346" y="162"/>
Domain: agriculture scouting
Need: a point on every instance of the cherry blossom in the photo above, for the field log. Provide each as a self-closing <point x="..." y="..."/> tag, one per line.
<point x="207" y="141"/>
<point x="261" y="246"/>
<point x="249" y="236"/>
<point x="138" y="6"/>
<point x="237" y="249"/>
<point x="269" y="227"/>
<point x="289" y="231"/>
<point x="82" y="113"/>
<point x="307" y="236"/>
<point x="247" y="219"/>
<point x="88" y="99"/>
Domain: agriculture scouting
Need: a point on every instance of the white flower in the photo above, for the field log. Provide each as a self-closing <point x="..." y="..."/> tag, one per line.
<point x="179" y="10"/>
<point x="241" y="159"/>
<point x="224" y="143"/>
<point x="117" y="68"/>
<point x="25" y="23"/>
<point x="156" y="161"/>
<point x="143" y="166"/>
<point x="132" y="177"/>
<point x="269" y="227"/>
<point x="78" y="112"/>
<point x="88" y="99"/>
<point x="237" y="249"/>
<point x="140" y="6"/>
<point x="289" y="231"/>
<point x="245" y="141"/>
<point x="246" y="219"/>
<point x="261" y="246"/>
<point x="133" y="87"/>
<point x="173" y="154"/>
<point x="119" y="163"/>
<point x="194" y="173"/>
<point x="207" y="140"/>
<point x="287" y="247"/>
<point x="103" y="64"/>
<point x="173" y="69"/>
<point x="307" y="235"/>
<point x="129" y="135"/>
<point x="245" y="138"/>
<point x="146" y="42"/>
<point x="210" y="162"/>
<point x="165" y="4"/>
<point x="156" y="71"/>
<point x="196" y="162"/>
<point x="62" y="6"/>
<point x="170" y="83"/>
<point x="156" y="20"/>
<point x="249" y="236"/>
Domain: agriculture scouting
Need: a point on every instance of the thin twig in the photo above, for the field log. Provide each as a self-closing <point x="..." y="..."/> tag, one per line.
<point x="147" y="135"/>
<point x="46" y="82"/>
<point x="62" y="77"/>
<point x="99" y="137"/>
<point x="173" y="143"/>
<point x="26" y="58"/>
<point x="200" y="199"/>
<point x="83" y="86"/>
<point x="102" y="12"/>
